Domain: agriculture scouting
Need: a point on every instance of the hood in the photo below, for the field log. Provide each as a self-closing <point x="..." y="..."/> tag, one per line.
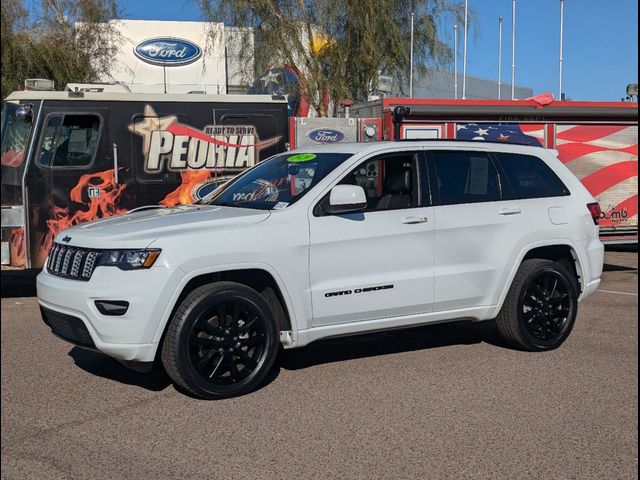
<point x="139" y="229"/>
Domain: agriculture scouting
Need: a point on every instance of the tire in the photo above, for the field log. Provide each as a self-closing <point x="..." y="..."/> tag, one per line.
<point x="221" y="342"/>
<point x="541" y="306"/>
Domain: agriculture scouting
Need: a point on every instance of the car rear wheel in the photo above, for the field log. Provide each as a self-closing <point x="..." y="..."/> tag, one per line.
<point x="541" y="306"/>
<point x="221" y="342"/>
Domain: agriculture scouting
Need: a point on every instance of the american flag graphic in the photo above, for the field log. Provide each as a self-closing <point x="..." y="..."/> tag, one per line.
<point x="522" y="134"/>
<point x="605" y="159"/>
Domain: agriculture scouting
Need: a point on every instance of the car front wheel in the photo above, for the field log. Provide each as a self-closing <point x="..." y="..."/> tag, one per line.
<point x="221" y="342"/>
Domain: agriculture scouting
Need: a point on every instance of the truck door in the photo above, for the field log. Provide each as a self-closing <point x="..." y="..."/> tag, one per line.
<point x="19" y="124"/>
<point x="71" y="178"/>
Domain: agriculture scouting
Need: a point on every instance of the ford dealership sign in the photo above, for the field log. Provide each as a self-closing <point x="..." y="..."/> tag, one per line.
<point x="325" y="135"/>
<point x="167" y="51"/>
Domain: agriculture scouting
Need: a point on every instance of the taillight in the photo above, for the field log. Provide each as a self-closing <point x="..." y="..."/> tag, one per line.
<point x="596" y="211"/>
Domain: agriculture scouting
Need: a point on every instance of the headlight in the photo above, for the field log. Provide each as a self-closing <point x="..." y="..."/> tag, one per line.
<point x="130" y="259"/>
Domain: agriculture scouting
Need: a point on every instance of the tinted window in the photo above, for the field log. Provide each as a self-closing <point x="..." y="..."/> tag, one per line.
<point x="389" y="181"/>
<point x="530" y="177"/>
<point x="465" y="177"/>
<point x="69" y="140"/>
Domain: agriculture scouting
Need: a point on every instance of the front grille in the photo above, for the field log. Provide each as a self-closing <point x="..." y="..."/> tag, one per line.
<point x="72" y="262"/>
<point x="67" y="327"/>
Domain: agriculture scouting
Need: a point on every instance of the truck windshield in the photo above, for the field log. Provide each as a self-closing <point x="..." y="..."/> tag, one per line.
<point x="15" y="134"/>
<point x="277" y="182"/>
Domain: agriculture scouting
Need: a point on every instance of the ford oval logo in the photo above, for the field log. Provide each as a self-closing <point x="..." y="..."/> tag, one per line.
<point x="167" y="51"/>
<point x="325" y="135"/>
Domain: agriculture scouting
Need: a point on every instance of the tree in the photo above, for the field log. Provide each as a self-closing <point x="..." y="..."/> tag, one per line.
<point x="63" y="40"/>
<point x="340" y="48"/>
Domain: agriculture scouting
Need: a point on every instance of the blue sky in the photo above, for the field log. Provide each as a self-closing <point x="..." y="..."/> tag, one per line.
<point x="600" y="42"/>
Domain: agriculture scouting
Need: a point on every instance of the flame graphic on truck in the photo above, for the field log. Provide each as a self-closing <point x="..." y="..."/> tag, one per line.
<point x="101" y="206"/>
<point x="183" y="195"/>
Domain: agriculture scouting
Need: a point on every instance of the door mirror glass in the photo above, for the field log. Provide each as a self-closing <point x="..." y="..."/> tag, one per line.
<point x="346" y="198"/>
<point x="23" y="113"/>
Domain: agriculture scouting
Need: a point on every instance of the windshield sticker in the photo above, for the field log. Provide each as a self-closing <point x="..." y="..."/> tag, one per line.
<point x="280" y="205"/>
<point x="301" y="157"/>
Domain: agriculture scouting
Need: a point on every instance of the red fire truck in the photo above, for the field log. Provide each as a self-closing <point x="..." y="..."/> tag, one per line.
<point x="598" y="141"/>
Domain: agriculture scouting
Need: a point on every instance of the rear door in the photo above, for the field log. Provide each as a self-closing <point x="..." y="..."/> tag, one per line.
<point x="71" y="178"/>
<point x="478" y="228"/>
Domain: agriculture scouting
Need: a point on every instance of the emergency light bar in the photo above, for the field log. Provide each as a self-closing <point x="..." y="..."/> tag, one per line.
<point x="40" y="84"/>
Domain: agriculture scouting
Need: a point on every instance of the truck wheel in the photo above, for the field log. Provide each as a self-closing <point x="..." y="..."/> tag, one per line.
<point x="221" y="342"/>
<point x="540" y="309"/>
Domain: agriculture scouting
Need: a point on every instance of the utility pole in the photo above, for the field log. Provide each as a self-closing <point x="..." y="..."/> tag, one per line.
<point x="455" y="61"/>
<point x="561" y="59"/>
<point x="499" y="56"/>
<point x="411" y="61"/>
<point x="513" y="50"/>
<point x="464" y="54"/>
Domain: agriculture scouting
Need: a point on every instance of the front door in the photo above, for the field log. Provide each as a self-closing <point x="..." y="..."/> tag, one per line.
<point x="71" y="177"/>
<point x="378" y="263"/>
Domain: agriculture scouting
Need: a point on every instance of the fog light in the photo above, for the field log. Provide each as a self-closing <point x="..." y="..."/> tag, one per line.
<point x="112" y="307"/>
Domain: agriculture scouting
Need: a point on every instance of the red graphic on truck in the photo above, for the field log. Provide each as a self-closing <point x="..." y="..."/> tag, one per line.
<point x="199" y="155"/>
<point x="106" y="204"/>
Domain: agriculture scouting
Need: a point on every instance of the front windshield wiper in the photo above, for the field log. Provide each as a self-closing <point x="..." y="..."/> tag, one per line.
<point x="235" y="205"/>
<point x="224" y="204"/>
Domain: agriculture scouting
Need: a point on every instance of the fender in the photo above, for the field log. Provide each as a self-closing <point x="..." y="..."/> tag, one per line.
<point x="550" y="242"/>
<point x="293" y="316"/>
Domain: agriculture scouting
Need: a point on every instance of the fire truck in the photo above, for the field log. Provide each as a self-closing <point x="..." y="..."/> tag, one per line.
<point x="74" y="156"/>
<point x="597" y="141"/>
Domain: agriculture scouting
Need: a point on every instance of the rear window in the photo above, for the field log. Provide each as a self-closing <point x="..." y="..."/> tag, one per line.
<point x="530" y="177"/>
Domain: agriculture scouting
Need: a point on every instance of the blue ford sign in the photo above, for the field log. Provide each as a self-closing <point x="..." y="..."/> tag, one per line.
<point x="325" y="135"/>
<point x="167" y="51"/>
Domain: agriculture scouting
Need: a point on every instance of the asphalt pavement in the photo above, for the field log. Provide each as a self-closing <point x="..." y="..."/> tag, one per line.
<point x="443" y="401"/>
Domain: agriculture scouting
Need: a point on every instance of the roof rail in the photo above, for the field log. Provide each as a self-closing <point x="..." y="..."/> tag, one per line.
<point x="457" y="140"/>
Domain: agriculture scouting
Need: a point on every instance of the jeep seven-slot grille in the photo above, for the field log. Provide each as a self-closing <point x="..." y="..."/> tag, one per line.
<point x="72" y="262"/>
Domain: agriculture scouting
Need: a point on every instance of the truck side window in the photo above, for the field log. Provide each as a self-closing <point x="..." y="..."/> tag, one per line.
<point x="69" y="140"/>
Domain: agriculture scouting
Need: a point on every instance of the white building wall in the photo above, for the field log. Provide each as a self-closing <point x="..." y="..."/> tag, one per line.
<point x="206" y="74"/>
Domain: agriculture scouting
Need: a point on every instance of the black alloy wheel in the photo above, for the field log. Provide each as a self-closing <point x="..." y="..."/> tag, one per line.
<point x="540" y="309"/>
<point x="221" y="342"/>
<point x="546" y="306"/>
<point x="228" y="342"/>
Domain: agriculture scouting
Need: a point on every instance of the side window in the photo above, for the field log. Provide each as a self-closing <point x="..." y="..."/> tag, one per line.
<point x="69" y="140"/>
<point x="465" y="177"/>
<point x="390" y="181"/>
<point x="530" y="177"/>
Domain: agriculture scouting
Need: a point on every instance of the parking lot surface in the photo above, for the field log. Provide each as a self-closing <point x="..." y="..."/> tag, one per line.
<point x="442" y="401"/>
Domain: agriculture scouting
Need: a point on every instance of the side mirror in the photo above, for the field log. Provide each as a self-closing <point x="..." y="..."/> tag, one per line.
<point x="23" y="113"/>
<point x="346" y="199"/>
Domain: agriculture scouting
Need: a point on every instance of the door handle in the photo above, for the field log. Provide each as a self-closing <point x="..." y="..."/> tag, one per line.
<point x="115" y="164"/>
<point x="509" y="211"/>
<point x="411" y="220"/>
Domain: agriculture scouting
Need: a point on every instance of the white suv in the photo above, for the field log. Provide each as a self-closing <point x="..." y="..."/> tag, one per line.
<point x="331" y="241"/>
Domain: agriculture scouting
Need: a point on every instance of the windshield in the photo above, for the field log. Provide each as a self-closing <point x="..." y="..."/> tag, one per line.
<point x="15" y="134"/>
<point x="279" y="181"/>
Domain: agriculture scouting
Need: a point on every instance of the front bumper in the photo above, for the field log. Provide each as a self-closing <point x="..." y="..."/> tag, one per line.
<point x="125" y="337"/>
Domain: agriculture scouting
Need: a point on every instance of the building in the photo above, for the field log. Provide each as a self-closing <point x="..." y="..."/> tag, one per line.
<point x="440" y="84"/>
<point x="181" y="57"/>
